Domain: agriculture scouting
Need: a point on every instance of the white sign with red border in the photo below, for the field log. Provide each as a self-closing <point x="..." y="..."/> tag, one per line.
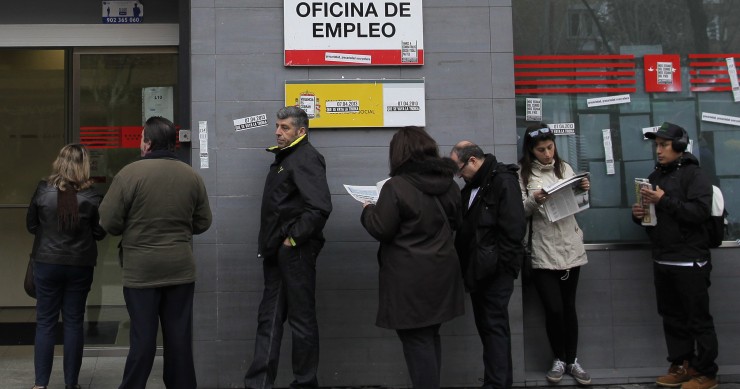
<point x="353" y="32"/>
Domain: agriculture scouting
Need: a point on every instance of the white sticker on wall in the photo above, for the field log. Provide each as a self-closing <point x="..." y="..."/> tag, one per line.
<point x="534" y="110"/>
<point x="608" y="152"/>
<point x="646" y="130"/>
<point x="608" y="100"/>
<point x="250" y="122"/>
<point x="717" y="118"/>
<point x="203" y="137"/>
<point x="563" y="128"/>
<point x="732" y="72"/>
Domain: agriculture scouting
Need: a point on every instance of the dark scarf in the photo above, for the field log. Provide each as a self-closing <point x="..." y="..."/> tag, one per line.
<point x="67" y="209"/>
<point x="481" y="174"/>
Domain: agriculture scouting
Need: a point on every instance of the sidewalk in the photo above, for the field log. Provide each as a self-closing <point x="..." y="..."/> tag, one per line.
<point x="104" y="372"/>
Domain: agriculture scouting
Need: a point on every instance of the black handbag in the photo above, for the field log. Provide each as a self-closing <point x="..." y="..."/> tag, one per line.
<point x="28" y="283"/>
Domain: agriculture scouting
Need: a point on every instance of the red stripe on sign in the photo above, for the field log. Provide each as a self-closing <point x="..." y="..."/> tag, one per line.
<point x="707" y="64"/>
<point x="612" y="73"/>
<point x="534" y="91"/>
<point x="705" y="72"/>
<point x="711" y="88"/>
<point x="709" y="72"/>
<point x="692" y="56"/>
<point x="570" y="57"/>
<point x="377" y="57"/>
<point x="717" y="80"/>
<point x="575" y="82"/>
<point x="573" y="65"/>
<point x="574" y="74"/>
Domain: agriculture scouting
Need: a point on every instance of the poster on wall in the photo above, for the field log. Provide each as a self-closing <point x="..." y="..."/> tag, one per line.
<point x="355" y="32"/>
<point x="359" y="103"/>
<point x="662" y="72"/>
<point x="157" y="101"/>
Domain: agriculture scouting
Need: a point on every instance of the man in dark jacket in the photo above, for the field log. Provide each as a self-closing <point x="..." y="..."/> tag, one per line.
<point x="295" y="206"/>
<point x="157" y="204"/>
<point x="489" y="245"/>
<point x="682" y="197"/>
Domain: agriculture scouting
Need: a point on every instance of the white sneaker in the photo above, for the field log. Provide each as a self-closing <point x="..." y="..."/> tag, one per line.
<point x="555" y="374"/>
<point x="580" y="375"/>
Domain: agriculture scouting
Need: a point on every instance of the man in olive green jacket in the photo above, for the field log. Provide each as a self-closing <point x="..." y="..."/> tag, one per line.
<point x="157" y="204"/>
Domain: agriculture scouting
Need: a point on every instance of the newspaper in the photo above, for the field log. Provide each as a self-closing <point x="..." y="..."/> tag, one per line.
<point x="649" y="219"/>
<point x="566" y="197"/>
<point x="365" y="194"/>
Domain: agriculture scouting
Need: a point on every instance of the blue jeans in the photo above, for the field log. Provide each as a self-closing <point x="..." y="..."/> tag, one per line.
<point x="65" y="288"/>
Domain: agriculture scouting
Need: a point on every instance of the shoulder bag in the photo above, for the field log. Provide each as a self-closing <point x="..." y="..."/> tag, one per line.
<point x="28" y="283"/>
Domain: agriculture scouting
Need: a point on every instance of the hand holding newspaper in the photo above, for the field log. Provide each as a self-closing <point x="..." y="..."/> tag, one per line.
<point x="649" y="219"/>
<point x="566" y="197"/>
<point x="366" y="194"/>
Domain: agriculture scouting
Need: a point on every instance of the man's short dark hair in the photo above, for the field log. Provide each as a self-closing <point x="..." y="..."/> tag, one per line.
<point x="299" y="116"/>
<point x="465" y="151"/>
<point x="161" y="133"/>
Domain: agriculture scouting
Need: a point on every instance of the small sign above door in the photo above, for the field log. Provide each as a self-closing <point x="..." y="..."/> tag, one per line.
<point x="122" y="12"/>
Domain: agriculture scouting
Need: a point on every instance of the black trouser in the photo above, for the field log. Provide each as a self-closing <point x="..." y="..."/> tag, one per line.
<point x="557" y="290"/>
<point x="491" y="309"/>
<point x="423" y="353"/>
<point x="172" y="306"/>
<point x="290" y="288"/>
<point x="683" y="302"/>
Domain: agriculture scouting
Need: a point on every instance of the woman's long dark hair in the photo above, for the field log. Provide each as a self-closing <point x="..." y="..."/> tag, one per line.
<point x="533" y="135"/>
<point x="411" y="144"/>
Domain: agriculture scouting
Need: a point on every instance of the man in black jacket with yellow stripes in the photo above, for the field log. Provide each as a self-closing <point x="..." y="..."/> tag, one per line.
<point x="295" y="206"/>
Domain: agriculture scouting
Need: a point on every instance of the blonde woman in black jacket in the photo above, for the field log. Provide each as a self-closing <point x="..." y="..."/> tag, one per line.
<point x="63" y="216"/>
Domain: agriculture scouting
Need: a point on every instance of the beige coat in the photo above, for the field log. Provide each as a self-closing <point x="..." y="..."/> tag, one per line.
<point x="558" y="245"/>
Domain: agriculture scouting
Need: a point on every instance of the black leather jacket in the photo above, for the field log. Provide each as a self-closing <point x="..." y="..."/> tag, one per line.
<point x="76" y="247"/>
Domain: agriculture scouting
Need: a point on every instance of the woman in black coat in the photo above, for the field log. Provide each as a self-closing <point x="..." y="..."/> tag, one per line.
<point x="420" y="280"/>
<point x="63" y="216"/>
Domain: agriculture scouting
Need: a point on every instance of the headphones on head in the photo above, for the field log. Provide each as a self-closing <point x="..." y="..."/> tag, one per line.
<point x="682" y="143"/>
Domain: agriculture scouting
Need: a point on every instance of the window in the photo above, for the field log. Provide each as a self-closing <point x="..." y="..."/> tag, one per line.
<point x="566" y="71"/>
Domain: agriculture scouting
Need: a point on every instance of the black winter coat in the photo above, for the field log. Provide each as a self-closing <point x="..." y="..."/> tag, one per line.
<point x="494" y="225"/>
<point x="75" y="247"/>
<point x="296" y="201"/>
<point x="420" y="279"/>
<point x="681" y="212"/>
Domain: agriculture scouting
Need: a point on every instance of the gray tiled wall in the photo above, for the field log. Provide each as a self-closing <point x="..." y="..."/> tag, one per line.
<point x="237" y="71"/>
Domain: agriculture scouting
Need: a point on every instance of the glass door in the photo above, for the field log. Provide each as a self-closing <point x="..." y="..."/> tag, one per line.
<point x="50" y="97"/>
<point x="32" y="128"/>
<point x="115" y="92"/>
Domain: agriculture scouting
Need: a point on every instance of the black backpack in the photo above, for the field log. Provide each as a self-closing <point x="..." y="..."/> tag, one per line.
<point x="716" y="225"/>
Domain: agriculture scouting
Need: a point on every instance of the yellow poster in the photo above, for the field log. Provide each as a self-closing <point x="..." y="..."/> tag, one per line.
<point x="358" y="103"/>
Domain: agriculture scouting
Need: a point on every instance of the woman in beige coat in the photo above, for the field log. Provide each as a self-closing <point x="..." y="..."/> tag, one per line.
<point x="557" y="250"/>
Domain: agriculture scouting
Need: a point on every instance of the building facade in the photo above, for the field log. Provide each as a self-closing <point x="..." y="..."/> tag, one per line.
<point x="69" y="77"/>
